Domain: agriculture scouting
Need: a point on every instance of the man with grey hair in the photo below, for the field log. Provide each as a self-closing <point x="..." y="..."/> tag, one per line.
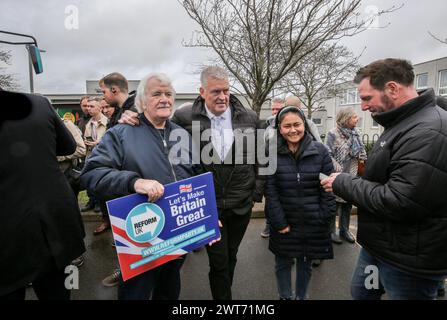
<point x="216" y="109"/>
<point x="133" y="159"/>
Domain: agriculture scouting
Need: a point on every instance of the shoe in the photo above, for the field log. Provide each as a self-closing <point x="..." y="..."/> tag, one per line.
<point x="78" y="262"/>
<point x="316" y="263"/>
<point x="101" y="228"/>
<point x="347" y="236"/>
<point x="441" y="292"/>
<point x="335" y="238"/>
<point x="266" y="232"/>
<point x="97" y="208"/>
<point x="113" y="279"/>
<point x="89" y="206"/>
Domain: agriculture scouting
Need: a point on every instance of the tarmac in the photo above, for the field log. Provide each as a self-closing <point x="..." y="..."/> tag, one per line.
<point x="254" y="275"/>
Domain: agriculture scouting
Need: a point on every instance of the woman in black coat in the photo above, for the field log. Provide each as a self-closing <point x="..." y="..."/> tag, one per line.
<point x="297" y="207"/>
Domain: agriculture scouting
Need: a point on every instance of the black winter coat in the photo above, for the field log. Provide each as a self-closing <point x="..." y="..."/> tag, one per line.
<point x="234" y="183"/>
<point x="39" y="215"/>
<point x="295" y="197"/>
<point x="401" y="199"/>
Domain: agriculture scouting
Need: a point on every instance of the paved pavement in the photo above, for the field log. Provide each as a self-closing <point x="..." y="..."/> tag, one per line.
<point x="254" y="274"/>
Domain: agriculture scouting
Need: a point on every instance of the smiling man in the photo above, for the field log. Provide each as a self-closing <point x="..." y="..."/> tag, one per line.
<point x="402" y="216"/>
<point x="133" y="159"/>
<point x="224" y="114"/>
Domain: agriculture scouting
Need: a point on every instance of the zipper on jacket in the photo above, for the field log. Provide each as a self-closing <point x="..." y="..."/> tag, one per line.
<point x="165" y="145"/>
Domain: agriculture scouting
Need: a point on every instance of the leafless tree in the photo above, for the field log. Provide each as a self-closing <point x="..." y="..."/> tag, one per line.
<point x="437" y="38"/>
<point x="260" y="41"/>
<point x="7" y="81"/>
<point x="316" y="77"/>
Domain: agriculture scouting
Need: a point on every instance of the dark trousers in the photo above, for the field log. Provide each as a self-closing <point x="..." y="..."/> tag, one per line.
<point x="222" y="255"/>
<point x="50" y="286"/>
<point x="160" y="283"/>
<point x="104" y="212"/>
<point x="344" y="217"/>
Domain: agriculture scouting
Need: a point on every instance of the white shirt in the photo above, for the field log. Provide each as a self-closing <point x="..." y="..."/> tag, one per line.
<point x="222" y="135"/>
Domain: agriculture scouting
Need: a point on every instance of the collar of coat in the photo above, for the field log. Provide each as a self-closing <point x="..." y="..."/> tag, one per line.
<point x="236" y="107"/>
<point x="390" y="118"/>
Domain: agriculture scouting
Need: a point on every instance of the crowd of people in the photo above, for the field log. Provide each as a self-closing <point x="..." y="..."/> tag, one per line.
<point x="121" y="143"/>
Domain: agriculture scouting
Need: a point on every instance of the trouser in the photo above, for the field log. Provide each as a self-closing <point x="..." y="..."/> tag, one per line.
<point x="399" y="285"/>
<point x="50" y="286"/>
<point x="160" y="283"/>
<point x="104" y="212"/>
<point x="283" y="271"/>
<point x="344" y="217"/>
<point x="223" y="254"/>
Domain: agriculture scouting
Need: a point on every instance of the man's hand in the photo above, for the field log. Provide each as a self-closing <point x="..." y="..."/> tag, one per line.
<point x="90" y="144"/>
<point x="129" y="117"/>
<point x="152" y="188"/>
<point x="285" y="230"/>
<point x="327" y="183"/>
<point x="217" y="240"/>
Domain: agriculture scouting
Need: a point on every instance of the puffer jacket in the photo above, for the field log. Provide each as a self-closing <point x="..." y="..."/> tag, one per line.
<point x="295" y="197"/>
<point x="234" y="183"/>
<point x="402" y="207"/>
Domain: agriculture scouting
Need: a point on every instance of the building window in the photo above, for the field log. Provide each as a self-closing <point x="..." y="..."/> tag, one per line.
<point x="422" y="81"/>
<point x="350" y="96"/>
<point x="317" y="121"/>
<point x="443" y="82"/>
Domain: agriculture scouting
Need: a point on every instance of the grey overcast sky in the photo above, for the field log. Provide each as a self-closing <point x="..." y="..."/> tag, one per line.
<point x="136" y="37"/>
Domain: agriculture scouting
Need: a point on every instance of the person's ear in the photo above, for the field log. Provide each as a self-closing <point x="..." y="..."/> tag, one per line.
<point x="392" y="88"/>
<point x="202" y="92"/>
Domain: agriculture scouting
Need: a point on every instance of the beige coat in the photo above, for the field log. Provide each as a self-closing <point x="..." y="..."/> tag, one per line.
<point x="101" y="129"/>
<point x="80" y="152"/>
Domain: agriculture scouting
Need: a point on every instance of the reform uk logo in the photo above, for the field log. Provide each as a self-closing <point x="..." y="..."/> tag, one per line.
<point x="145" y="222"/>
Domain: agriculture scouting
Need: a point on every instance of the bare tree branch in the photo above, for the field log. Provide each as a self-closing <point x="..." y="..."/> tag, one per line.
<point x="7" y="80"/>
<point x="436" y="38"/>
<point x="261" y="41"/>
<point x="315" y="78"/>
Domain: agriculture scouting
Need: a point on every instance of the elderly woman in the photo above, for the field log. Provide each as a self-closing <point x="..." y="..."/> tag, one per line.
<point x="298" y="209"/>
<point x="133" y="159"/>
<point x="346" y="150"/>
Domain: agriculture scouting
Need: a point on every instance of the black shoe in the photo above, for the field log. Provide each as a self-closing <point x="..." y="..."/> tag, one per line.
<point x="316" y="263"/>
<point x="347" y="236"/>
<point x="89" y="206"/>
<point x="335" y="238"/>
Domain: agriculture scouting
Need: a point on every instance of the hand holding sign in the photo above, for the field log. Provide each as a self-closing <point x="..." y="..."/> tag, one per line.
<point x="152" y="188"/>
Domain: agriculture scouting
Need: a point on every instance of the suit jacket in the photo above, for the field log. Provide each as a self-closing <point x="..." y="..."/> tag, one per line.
<point x="39" y="216"/>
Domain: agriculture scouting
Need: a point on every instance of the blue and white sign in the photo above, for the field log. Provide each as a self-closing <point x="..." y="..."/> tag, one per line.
<point x="150" y="234"/>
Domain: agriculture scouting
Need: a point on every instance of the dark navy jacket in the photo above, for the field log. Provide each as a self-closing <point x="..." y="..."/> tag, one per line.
<point x="295" y="197"/>
<point x="127" y="153"/>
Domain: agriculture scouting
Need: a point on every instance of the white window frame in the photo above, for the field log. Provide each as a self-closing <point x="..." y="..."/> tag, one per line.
<point x="345" y="101"/>
<point x="442" y="90"/>
<point x="374" y="126"/>
<point x="418" y="77"/>
<point x="318" y="124"/>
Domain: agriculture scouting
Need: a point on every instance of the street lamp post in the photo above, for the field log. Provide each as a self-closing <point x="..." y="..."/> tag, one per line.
<point x="33" y="55"/>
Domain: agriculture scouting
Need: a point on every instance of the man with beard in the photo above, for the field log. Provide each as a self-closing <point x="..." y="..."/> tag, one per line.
<point x="402" y="220"/>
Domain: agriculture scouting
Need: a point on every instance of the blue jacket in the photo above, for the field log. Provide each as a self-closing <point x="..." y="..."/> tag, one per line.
<point x="127" y="153"/>
<point x="295" y="197"/>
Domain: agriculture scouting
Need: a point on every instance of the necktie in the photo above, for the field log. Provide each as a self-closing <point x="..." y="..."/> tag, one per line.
<point x="218" y="136"/>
